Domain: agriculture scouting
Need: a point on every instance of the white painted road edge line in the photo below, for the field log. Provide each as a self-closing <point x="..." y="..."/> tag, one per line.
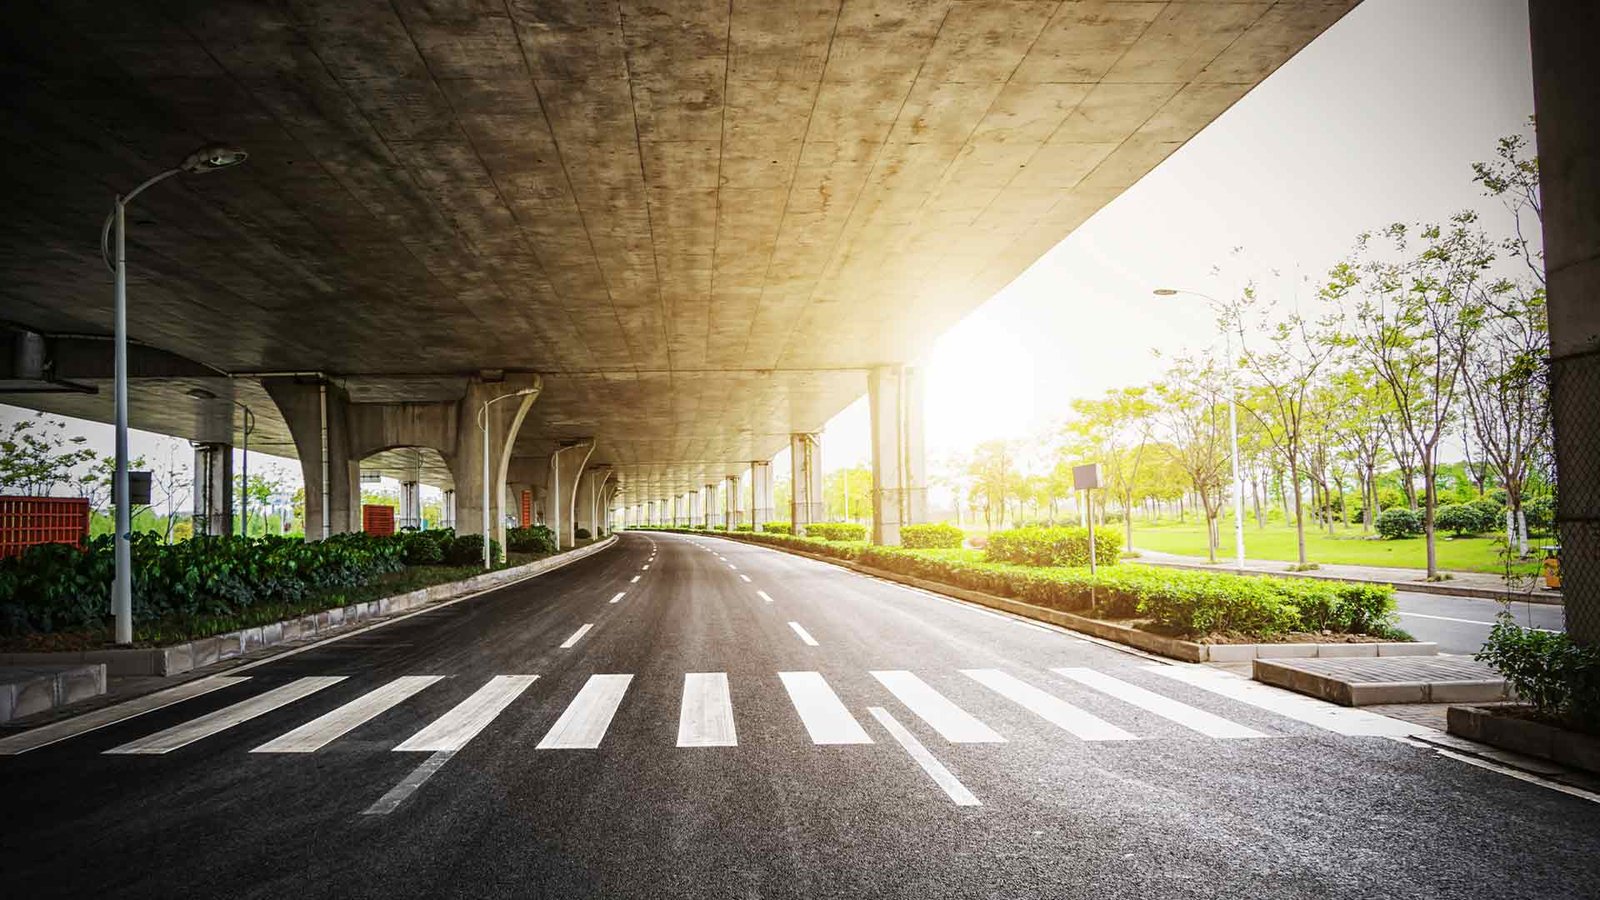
<point x="408" y="785"/>
<point x="577" y="636"/>
<point x="1466" y="621"/>
<point x="804" y="635"/>
<point x="619" y="596"/>
<point x="763" y="595"/>
<point x="952" y="786"/>
<point x="1518" y="774"/>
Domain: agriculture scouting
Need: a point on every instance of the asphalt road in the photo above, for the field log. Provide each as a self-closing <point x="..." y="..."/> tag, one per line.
<point x="1460" y="625"/>
<point x="563" y="752"/>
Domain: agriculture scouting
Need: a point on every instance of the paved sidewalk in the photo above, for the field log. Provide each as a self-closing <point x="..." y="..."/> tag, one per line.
<point x="1460" y="584"/>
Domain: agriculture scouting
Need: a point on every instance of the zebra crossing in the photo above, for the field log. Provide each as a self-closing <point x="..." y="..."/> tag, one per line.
<point x="707" y="713"/>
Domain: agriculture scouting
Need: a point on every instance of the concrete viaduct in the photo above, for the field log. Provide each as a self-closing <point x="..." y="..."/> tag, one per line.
<point x="676" y="237"/>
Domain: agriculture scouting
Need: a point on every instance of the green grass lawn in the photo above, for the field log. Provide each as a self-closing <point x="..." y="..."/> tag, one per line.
<point x="1346" y="546"/>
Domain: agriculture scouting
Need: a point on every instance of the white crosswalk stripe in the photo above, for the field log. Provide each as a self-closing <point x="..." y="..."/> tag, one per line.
<point x="705" y="718"/>
<point x="1049" y="707"/>
<point x="1188" y="716"/>
<point x="584" y="722"/>
<point x="325" y="729"/>
<point x="462" y="723"/>
<point x="826" y="719"/>
<point x="953" y="723"/>
<point x="215" y="722"/>
<point x="45" y="735"/>
<point x="1338" y="719"/>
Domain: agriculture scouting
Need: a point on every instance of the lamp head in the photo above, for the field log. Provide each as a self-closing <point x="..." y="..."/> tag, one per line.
<point x="210" y="159"/>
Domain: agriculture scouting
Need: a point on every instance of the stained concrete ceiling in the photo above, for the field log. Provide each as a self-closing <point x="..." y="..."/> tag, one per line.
<point x="701" y="221"/>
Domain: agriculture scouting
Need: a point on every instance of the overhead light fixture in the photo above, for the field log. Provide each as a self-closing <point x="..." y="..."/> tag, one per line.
<point x="210" y="159"/>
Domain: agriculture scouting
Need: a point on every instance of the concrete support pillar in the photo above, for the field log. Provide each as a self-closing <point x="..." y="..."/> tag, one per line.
<point x="708" y="504"/>
<point x="318" y="416"/>
<point x="805" y="466"/>
<point x="899" y="472"/>
<point x="1566" y="93"/>
<point x="410" y="505"/>
<point x="447" y="510"/>
<point x="213" y="489"/>
<point x="694" y="508"/>
<point x="760" y="494"/>
<point x="566" y="468"/>
<point x="730" y="502"/>
<point x="591" y="500"/>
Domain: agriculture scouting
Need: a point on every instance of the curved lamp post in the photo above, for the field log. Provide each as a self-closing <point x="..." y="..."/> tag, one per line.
<point x="483" y="425"/>
<point x="206" y="159"/>
<point x="1233" y="426"/>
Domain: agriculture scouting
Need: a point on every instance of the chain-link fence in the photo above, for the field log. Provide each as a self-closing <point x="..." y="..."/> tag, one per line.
<point x="1575" y="409"/>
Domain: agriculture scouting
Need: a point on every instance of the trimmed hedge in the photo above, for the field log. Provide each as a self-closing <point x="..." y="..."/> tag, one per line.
<point x="1178" y="602"/>
<point x="942" y="536"/>
<point x="532" y="539"/>
<point x="1054" y="546"/>
<point x="837" y="531"/>
<point x="57" y="587"/>
<point x="1398" y="522"/>
<point x="777" y="528"/>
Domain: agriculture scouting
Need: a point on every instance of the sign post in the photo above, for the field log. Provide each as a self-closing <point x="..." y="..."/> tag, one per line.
<point x="1086" y="478"/>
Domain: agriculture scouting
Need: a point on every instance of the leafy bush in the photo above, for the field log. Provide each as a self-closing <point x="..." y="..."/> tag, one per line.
<point x="837" y="531"/>
<point x="581" y="534"/>
<point x="744" y="528"/>
<point x="942" y="536"/>
<point x="1558" y="676"/>
<point x="1053" y="546"/>
<point x="1540" y="512"/>
<point x="424" y="548"/>
<point x="1458" y="518"/>
<point x="1494" y="514"/>
<point x="532" y="539"/>
<point x="777" y="528"/>
<point x="1398" y="522"/>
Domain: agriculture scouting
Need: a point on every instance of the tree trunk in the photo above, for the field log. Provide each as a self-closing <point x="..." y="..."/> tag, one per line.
<point x="1127" y="515"/>
<point x="1299" y="512"/>
<point x="1429" y="505"/>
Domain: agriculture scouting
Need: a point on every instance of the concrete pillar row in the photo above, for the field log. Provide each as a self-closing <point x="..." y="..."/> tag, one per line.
<point x="317" y="414"/>
<point x="213" y="489"/>
<point x="730" y="502"/>
<point x="1566" y="95"/>
<point x="447" y="511"/>
<point x="805" y="466"/>
<point x="410" y="505"/>
<point x="899" y="469"/>
<point x="694" y="507"/>
<point x="566" y="468"/>
<point x="760" y="494"/>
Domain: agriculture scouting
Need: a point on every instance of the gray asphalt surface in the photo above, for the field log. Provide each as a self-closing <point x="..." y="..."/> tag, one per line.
<point x="1302" y="812"/>
<point x="1460" y="625"/>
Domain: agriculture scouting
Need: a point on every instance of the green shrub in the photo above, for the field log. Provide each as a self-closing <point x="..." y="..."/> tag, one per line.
<point x="1067" y="546"/>
<point x="1461" y="519"/>
<point x="1493" y="514"/>
<point x="942" y="536"/>
<point x="1398" y="522"/>
<point x="1558" y="676"/>
<point x="777" y="528"/>
<point x="581" y="534"/>
<point x="744" y="528"/>
<point x="532" y="539"/>
<point x="837" y="531"/>
<point x="467" y="549"/>
<point x="424" y="548"/>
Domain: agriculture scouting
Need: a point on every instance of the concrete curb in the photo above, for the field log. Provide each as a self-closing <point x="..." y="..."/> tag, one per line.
<point x="1174" y="648"/>
<point x="25" y="690"/>
<point x="1547" y="598"/>
<point x="1370" y="693"/>
<point x="180" y="658"/>
<point x="1530" y="738"/>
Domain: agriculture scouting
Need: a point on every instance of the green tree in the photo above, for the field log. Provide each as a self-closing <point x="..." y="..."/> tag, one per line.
<point x="37" y="456"/>
<point x="1115" y="429"/>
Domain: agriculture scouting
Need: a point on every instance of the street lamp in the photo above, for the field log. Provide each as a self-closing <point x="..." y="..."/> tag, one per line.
<point x="206" y="159"/>
<point x="1233" y="426"/>
<point x="483" y="425"/>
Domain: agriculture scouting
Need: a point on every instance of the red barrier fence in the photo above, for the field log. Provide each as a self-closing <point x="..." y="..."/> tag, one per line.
<point x="377" y="520"/>
<point x="27" y="521"/>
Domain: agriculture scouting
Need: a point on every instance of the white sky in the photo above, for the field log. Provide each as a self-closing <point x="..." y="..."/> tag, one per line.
<point x="1378" y="120"/>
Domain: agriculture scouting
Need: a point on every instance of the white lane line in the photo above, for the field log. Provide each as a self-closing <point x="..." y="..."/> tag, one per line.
<point x="705" y="718"/>
<point x="804" y="635"/>
<point x="323" y="730"/>
<point x="619" y="596"/>
<point x="45" y="735"/>
<point x="763" y="595"/>
<point x="1165" y="707"/>
<point x="635" y="580"/>
<point x="1051" y="708"/>
<point x="953" y="788"/>
<point x="953" y="723"/>
<point x="408" y="785"/>
<point x="646" y="568"/>
<point x="462" y="723"/>
<point x="745" y="577"/>
<point x="576" y="636"/>
<point x="586" y="718"/>
<point x="1466" y="621"/>
<point x="732" y="566"/>
<point x="227" y="717"/>
<point x="1333" y="718"/>
<point x="825" y="718"/>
